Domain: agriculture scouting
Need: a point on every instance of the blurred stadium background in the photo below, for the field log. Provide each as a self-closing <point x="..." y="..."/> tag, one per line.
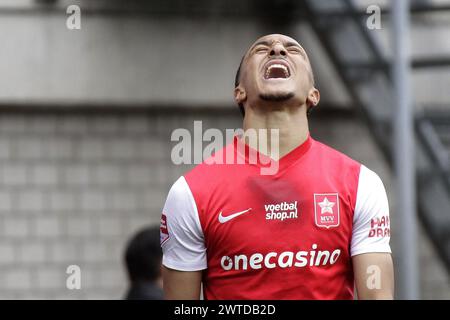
<point x="86" y="117"/>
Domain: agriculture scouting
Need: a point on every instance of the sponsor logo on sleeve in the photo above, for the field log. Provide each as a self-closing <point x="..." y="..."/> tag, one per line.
<point x="380" y="227"/>
<point x="164" y="230"/>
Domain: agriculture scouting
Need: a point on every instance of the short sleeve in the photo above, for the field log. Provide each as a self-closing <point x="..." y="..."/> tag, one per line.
<point x="182" y="239"/>
<point x="371" y="224"/>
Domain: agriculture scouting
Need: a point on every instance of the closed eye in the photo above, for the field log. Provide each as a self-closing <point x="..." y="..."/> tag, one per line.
<point x="261" y="49"/>
<point x="294" y="49"/>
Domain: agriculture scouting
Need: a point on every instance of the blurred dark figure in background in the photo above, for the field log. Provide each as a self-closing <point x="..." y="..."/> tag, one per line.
<point x="143" y="261"/>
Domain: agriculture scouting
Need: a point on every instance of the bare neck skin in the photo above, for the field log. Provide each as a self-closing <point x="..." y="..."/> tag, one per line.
<point x="292" y="124"/>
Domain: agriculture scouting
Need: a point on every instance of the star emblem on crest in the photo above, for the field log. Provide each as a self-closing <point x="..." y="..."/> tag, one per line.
<point x="326" y="206"/>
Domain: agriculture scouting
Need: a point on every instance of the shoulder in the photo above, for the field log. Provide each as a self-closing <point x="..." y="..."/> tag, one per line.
<point x="212" y="170"/>
<point x="370" y="187"/>
<point x="335" y="155"/>
<point x="179" y="191"/>
<point x="342" y="161"/>
<point x="337" y="163"/>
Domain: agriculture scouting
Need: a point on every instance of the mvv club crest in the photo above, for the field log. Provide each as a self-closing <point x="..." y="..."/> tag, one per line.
<point x="326" y="209"/>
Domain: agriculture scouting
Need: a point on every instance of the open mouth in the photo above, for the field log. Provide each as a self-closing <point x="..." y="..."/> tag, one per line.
<point x="277" y="70"/>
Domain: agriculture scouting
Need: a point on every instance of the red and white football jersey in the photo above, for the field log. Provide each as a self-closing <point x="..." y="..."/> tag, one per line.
<point x="290" y="235"/>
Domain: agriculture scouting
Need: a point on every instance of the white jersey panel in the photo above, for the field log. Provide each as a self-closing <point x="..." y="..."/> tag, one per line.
<point x="182" y="239"/>
<point x="371" y="224"/>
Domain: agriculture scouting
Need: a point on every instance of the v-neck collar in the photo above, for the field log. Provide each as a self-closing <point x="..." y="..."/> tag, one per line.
<point x="254" y="157"/>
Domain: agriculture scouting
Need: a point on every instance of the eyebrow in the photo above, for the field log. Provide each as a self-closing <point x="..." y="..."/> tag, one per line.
<point x="286" y="44"/>
<point x="266" y="43"/>
<point x="292" y="44"/>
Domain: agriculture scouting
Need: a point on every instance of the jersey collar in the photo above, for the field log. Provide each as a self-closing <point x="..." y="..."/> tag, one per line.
<point x="253" y="157"/>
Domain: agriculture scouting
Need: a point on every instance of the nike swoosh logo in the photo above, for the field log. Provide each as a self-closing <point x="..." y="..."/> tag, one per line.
<point x="223" y="219"/>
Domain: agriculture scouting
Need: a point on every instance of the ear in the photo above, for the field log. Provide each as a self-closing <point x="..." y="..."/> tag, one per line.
<point x="239" y="95"/>
<point x="313" y="98"/>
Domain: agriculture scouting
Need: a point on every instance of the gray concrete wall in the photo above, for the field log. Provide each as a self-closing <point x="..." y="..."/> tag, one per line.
<point x="73" y="189"/>
<point x="126" y="60"/>
<point x="130" y="58"/>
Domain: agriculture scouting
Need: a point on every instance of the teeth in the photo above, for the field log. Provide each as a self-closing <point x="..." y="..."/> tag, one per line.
<point x="276" y="65"/>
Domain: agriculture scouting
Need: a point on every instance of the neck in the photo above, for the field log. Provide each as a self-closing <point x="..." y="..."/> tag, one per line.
<point x="291" y="123"/>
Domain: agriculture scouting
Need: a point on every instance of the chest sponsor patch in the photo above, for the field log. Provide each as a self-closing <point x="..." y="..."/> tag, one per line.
<point x="281" y="211"/>
<point x="326" y="209"/>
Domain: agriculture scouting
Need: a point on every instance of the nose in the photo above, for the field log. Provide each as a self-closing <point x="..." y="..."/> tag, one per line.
<point x="278" y="50"/>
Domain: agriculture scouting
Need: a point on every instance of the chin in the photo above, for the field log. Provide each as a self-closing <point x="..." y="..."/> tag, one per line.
<point x="276" y="96"/>
<point x="276" y="87"/>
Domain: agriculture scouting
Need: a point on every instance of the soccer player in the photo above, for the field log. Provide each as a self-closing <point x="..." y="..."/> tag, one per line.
<point x="315" y="229"/>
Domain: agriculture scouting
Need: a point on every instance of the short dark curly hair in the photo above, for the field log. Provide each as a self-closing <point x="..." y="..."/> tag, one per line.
<point x="143" y="255"/>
